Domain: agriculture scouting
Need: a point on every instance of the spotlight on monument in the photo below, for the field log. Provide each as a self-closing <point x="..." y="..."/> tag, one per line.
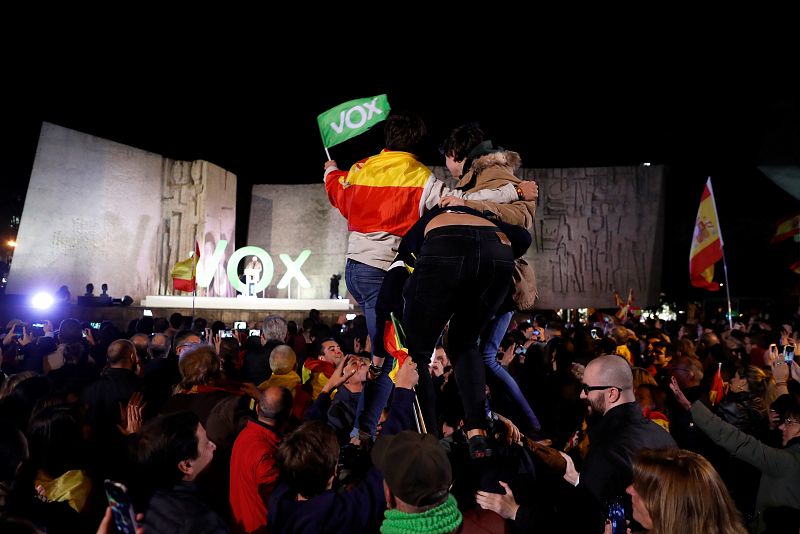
<point x="42" y="301"/>
<point x="350" y="316"/>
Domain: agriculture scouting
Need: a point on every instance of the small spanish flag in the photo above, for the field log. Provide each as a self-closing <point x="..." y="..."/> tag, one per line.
<point x="786" y="229"/>
<point x="716" y="393"/>
<point x="393" y="337"/>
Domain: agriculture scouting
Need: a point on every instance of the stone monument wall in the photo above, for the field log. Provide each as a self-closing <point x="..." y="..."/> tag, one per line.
<point x="102" y="212"/>
<point x="287" y="219"/>
<point x="596" y="230"/>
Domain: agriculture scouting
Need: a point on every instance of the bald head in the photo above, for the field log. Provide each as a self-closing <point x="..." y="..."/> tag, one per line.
<point x="275" y="405"/>
<point x="615" y="373"/>
<point x="612" y="370"/>
<point x="121" y="353"/>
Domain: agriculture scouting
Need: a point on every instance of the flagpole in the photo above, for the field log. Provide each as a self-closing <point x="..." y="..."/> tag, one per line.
<point x="724" y="261"/>
<point x="326" y="152"/>
<point x="194" y="276"/>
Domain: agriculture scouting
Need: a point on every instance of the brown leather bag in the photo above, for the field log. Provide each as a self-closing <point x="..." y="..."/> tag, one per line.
<point x="524" y="292"/>
<point x="548" y="455"/>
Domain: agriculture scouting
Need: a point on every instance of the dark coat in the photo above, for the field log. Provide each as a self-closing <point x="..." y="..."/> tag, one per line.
<point x="180" y="510"/>
<point x="613" y="443"/>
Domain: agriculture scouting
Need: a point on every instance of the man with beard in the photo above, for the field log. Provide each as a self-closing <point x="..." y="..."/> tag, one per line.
<point x="619" y="434"/>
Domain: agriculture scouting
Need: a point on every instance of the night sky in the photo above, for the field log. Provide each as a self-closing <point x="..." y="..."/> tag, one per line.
<point x="262" y="127"/>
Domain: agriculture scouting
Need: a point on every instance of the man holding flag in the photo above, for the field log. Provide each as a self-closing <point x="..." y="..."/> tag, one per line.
<point x="382" y="197"/>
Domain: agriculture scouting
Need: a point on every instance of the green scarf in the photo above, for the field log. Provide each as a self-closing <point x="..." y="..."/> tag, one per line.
<point x="443" y="518"/>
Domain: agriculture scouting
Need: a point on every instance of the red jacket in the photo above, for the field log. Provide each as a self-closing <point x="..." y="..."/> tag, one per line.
<point x="253" y="476"/>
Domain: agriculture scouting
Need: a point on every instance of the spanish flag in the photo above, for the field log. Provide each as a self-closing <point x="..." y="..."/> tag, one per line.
<point x="786" y="229"/>
<point x="706" y="243"/>
<point x="393" y="341"/>
<point x="717" y="389"/>
<point x="184" y="274"/>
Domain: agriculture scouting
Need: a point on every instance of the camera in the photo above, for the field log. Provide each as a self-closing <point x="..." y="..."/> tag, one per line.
<point x="225" y="333"/>
<point x="240" y="325"/>
<point x="519" y="350"/>
<point x="19" y="330"/>
<point x="254" y="332"/>
<point x="95" y="325"/>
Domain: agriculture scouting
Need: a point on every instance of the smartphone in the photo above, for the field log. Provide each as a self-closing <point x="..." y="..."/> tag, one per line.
<point x="788" y="353"/>
<point x="225" y="333"/>
<point x="83" y="332"/>
<point x="147" y="313"/>
<point x="594" y="333"/>
<point x="95" y="325"/>
<point x="18" y="330"/>
<point x="616" y="515"/>
<point x="519" y="350"/>
<point x="254" y="332"/>
<point x="38" y="328"/>
<point x="240" y="325"/>
<point x="121" y="507"/>
<point x="536" y="332"/>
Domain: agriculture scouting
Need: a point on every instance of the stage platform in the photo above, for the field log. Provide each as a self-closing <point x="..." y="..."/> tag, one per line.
<point x="246" y="303"/>
<point x="228" y="310"/>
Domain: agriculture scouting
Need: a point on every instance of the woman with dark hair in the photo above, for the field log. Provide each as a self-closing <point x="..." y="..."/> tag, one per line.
<point x="675" y="490"/>
<point x="56" y="448"/>
<point x="173" y="450"/>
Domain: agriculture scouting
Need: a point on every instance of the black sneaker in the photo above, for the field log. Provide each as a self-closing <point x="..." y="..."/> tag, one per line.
<point x="479" y="447"/>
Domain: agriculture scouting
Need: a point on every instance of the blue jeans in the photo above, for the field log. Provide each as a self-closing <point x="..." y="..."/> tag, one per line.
<point x="364" y="283"/>
<point x="491" y="337"/>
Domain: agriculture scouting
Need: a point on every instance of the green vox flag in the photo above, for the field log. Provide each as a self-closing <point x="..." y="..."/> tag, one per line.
<point x="351" y="119"/>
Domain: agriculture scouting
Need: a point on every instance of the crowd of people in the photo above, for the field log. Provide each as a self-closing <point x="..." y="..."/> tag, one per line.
<point x="441" y="409"/>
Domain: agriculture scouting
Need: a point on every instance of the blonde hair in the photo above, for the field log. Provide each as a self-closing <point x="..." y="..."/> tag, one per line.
<point x="641" y="376"/>
<point x="282" y="360"/>
<point x="683" y="493"/>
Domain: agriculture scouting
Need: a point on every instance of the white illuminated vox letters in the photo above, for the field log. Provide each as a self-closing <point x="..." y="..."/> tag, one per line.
<point x="292" y="268"/>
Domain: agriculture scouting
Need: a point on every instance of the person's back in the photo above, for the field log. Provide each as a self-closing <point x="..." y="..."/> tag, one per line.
<point x="253" y="473"/>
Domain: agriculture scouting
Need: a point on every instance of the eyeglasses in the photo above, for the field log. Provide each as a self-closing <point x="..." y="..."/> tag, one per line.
<point x="790" y="421"/>
<point x="586" y="389"/>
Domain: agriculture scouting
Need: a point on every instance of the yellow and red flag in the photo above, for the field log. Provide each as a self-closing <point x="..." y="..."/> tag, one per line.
<point x="706" y="242"/>
<point x="184" y="274"/>
<point x="717" y="391"/>
<point x="786" y="229"/>
<point x="624" y="307"/>
<point x="393" y="342"/>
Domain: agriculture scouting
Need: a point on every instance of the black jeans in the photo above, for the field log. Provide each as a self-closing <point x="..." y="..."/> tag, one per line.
<point x="462" y="275"/>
